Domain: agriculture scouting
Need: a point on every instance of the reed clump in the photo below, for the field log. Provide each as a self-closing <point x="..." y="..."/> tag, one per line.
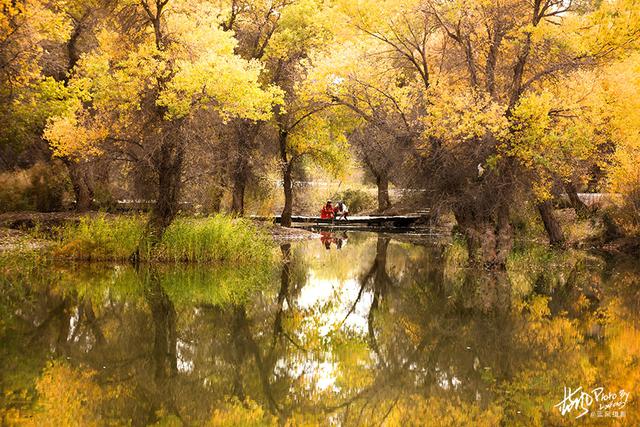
<point x="198" y="240"/>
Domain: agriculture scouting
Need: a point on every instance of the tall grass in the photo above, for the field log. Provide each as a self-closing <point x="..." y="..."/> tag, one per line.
<point x="211" y="239"/>
<point x="215" y="238"/>
<point x="101" y="238"/>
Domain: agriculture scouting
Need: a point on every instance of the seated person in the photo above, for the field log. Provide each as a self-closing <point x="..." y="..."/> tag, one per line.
<point x="327" y="211"/>
<point x="341" y="210"/>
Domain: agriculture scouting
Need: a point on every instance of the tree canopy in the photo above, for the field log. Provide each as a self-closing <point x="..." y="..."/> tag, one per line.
<point x="478" y="105"/>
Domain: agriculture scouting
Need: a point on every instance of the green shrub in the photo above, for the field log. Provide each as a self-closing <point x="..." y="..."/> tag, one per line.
<point x="101" y="238"/>
<point x="40" y="188"/>
<point x="103" y="199"/>
<point x="214" y="238"/>
<point x="217" y="238"/>
<point x="532" y="265"/>
<point x="356" y="200"/>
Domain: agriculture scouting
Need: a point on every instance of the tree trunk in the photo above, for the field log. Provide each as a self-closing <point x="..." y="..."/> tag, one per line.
<point x="216" y="199"/>
<point x="482" y="242"/>
<point x="285" y="220"/>
<point x="578" y="205"/>
<point x="169" y="169"/>
<point x="504" y="231"/>
<point x="383" y="192"/>
<point x="489" y="240"/>
<point x="82" y="186"/>
<point x="287" y="182"/>
<point x="164" y="317"/>
<point x="551" y="224"/>
<point x="239" y="185"/>
<point x="245" y="134"/>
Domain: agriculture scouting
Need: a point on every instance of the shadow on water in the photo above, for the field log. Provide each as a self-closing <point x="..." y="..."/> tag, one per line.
<point x="367" y="331"/>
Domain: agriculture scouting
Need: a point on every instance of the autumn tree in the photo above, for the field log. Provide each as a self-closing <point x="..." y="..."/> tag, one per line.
<point x="280" y="35"/>
<point x="82" y="18"/>
<point x="377" y="152"/>
<point x="456" y="83"/>
<point x="25" y="28"/>
<point x="253" y="22"/>
<point x="155" y="66"/>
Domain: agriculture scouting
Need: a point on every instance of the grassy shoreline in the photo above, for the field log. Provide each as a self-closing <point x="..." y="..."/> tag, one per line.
<point x="214" y="239"/>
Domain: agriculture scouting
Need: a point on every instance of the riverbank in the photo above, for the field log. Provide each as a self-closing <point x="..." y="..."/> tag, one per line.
<point x="17" y="240"/>
<point x="32" y="231"/>
<point x="29" y="230"/>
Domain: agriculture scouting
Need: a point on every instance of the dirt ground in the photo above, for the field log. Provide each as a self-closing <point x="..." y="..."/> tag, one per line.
<point x="285" y="234"/>
<point x="24" y="220"/>
<point x="11" y="240"/>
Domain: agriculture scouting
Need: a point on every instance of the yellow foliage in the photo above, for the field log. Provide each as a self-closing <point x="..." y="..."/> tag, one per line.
<point x="68" y="397"/>
<point x="24" y="27"/>
<point x="197" y="69"/>
<point x="464" y="116"/>
<point x="435" y="411"/>
<point x="620" y="86"/>
<point x="302" y="26"/>
<point x="68" y="138"/>
<point x="247" y="414"/>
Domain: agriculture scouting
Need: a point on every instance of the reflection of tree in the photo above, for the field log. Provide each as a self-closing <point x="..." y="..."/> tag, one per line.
<point x="381" y="282"/>
<point x="163" y="315"/>
<point x="158" y="345"/>
<point x="56" y="319"/>
<point x="86" y="312"/>
<point x="265" y="356"/>
<point x="283" y="293"/>
<point x="375" y="278"/>
<point x="247" y="341"/>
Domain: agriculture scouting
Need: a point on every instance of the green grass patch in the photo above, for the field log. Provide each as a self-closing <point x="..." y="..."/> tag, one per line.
<point x="534" y="265"/>
<point x="211" y="239"/>
<point x="100" y="238"/>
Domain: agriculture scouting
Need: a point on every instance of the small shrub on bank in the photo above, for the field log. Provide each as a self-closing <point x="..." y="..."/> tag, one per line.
<point x="624" y="216"/>
<point x="217" y="238"/>
<point x="42" y="187"/>
<point x="357" y="200"/>
<point x="101" y="238"/>
<point x="538" y="267"/>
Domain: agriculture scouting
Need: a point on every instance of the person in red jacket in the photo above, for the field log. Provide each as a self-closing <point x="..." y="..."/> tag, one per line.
<point x="327" y="211"/>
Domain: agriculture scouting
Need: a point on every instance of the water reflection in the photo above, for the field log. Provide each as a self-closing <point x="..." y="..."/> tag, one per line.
<point x="331" y="239"/>
<point x="381" y="331"/>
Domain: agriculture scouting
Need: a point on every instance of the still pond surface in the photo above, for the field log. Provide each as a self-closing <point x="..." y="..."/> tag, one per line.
<point x="352" y="329"/>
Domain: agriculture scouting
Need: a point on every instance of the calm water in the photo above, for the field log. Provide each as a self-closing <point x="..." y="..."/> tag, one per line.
<point x="357" y="329"/>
